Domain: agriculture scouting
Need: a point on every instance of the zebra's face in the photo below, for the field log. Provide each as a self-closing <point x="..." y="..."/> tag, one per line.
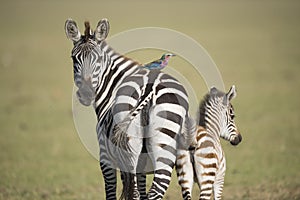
<point x="231" y="132"/>
<point x="87" y="67"/>
<point x="228" y="128"/>
<point x="88" y="58"/>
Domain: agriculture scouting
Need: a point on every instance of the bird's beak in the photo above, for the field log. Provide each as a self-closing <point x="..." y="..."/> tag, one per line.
<point x="173" y="55"/>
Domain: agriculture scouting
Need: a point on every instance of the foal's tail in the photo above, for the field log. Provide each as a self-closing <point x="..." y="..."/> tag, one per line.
<point x="189" y="131"/>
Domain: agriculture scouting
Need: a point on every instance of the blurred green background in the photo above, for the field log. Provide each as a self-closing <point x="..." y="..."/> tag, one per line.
<point x="255" y="45"/>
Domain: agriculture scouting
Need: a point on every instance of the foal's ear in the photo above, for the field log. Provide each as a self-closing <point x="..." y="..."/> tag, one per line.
<point x="72" y="31"/>
<point x="230" y="95"/>
<point x="102" y="30"/>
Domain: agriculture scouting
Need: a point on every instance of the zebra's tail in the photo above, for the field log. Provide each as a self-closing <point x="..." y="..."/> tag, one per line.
<point x="142" y="104"/>
<point x="120" y="138"/>
<point x="124" y="158"/>
<point x="189" y="132"/>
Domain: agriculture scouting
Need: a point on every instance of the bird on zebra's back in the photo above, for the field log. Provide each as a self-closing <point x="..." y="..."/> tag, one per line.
<point x="205" y="162"/>
<point x="160" y="63"/>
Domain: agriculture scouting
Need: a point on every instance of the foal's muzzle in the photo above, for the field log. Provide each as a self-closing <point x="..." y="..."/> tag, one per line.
<point x="235" y="140"/>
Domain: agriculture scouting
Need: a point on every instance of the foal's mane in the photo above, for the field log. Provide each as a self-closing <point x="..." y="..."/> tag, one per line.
<point x="202" y="107"/>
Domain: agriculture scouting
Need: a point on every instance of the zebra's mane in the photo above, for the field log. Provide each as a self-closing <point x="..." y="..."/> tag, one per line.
<point x="88" y="33"/>
<point x="202" y="107"/>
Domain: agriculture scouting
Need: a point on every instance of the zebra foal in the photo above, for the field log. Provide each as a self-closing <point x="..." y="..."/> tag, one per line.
<point x="205" y="163"/>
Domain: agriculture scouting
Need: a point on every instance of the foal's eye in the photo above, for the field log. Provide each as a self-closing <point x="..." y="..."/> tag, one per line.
<point x="231" y="113"/>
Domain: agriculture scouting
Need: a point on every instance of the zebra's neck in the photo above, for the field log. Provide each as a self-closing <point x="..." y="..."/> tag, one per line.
<point x="116" y="68"/>
<point x="209" y="117"/>
<point x="213" y="127"/>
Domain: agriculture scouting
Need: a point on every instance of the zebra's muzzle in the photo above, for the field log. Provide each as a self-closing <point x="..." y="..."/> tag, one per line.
<point x="86" y="93"/>
<point x="236" y="139"/>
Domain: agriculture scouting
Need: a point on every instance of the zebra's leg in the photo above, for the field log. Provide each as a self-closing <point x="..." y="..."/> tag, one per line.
<point x="108" y="170"/>
<point x="219" y="182"/>
<point x="160" y="184"/>
<point x="127" y="138"/>
<point x="130" y="181"/>
<point x="165" y="123"/>
<point x="142" y="169"/>
<point x="132" y="193"/>
<point x="218" y="187"/>
<point x="185" y="173"/>
<point x="163" y="155"/>
<point x="141" y="183"/>
<point x="135" y="142"/>
<point x="142" y="164"/>
<point x="110" y="180"/>
<point x="205" y="169"/>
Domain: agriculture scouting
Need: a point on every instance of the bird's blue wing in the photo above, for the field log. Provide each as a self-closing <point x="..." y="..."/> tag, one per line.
<point x="153" y="65"/>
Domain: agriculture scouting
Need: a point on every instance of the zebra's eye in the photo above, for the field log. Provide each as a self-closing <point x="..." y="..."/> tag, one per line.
<point x="231" y="113"/>
<point x="97" y="69"/>
<point x="232" y="116"/>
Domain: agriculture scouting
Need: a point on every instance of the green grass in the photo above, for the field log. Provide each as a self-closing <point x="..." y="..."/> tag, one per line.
<point x="255" y="45"/>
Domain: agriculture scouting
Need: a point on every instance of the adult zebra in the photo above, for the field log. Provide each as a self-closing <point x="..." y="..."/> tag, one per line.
<point x="206" y="163"/>
<point x="115" y="85"/>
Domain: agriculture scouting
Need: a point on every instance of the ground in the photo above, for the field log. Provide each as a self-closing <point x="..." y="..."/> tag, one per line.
<point x="255" y="45"/>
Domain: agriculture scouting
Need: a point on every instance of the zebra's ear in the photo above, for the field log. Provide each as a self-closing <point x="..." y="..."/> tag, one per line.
<point x="102" y="30"/>
<point x="230" y="95"/>
<point x="72" y="31"/>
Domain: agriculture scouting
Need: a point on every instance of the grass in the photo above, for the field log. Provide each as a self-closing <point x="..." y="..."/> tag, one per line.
<point x="255" y="45"/>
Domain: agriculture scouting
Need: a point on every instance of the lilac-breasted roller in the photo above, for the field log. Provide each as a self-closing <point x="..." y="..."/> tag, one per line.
<point x="160" y="63"/>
